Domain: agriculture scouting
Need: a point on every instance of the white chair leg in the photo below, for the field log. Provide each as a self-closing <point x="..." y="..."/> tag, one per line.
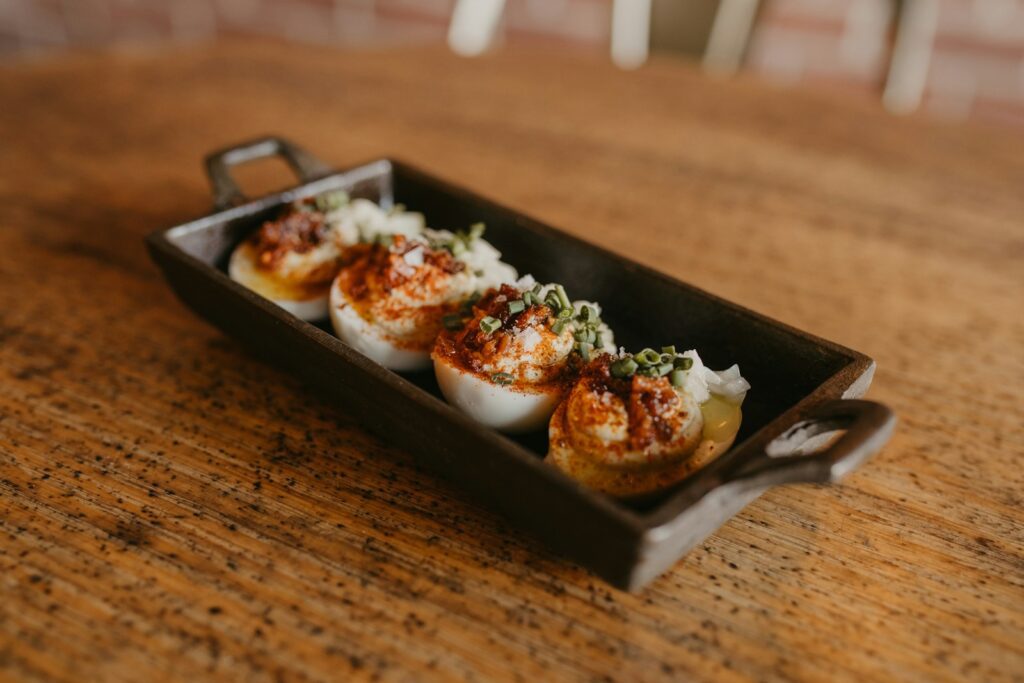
<point x="911" y="55"/>
<point x="474" y="26"/>
<point x="631" y="32"/>
<point x="730" y="34"/>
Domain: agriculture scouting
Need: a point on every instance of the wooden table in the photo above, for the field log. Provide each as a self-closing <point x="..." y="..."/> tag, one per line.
<point x="170" y="508"/>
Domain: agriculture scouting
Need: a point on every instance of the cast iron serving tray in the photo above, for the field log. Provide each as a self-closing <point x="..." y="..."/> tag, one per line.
<point x="803" y="387"/>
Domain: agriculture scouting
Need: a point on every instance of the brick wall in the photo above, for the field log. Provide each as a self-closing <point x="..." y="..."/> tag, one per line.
<point x="976" y="67"/>
<point x="32" y="26"/>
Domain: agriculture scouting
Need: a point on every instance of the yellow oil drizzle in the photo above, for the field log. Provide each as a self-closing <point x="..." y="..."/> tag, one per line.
<point x="721" y="419"/>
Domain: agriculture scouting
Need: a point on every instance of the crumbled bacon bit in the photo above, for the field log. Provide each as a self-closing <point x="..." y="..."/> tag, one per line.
<point x="650" y="398"/>
<point x="374" y="271"/>
<point x="474" y="349"/>
<point x="648" y="401"/>
<point x="471" y="346"/>
<point x="295" y="231"/>
<point x="494" y="304"/>
<point x="377" y="269"/>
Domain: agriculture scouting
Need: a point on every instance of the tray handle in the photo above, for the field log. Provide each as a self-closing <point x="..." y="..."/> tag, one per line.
<point x="868" y="426"/>
<point x="226" y="192"/>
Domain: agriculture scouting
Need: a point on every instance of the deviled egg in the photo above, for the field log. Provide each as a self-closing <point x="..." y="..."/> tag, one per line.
<point x="293" y="259"/>
<point x="391" y="300"/>
<point x="635" y="424"/>
<point x="509" y="360"/>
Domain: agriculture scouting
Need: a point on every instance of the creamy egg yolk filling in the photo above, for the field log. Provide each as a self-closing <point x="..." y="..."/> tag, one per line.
<point x="293" y="259"/>
<point x="512" y="338"/>
<point x="508" y="360"/>
<point x="404" y="290"/>
<point x="631" y="436"/>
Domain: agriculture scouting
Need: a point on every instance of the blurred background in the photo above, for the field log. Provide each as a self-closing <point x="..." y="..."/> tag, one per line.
<point x="950" y="59"/>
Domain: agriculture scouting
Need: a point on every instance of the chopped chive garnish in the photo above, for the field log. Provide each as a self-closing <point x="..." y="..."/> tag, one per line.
<point x="624" y="367"/>
<point x="517" y="306"/>
<point x="565" y="313"/>
<point x="536" y="289"/>
<point x="476" y="231"/>
<point x="563" y="298"/>
<point x="502" y="378"/>
<point x="664" y="369"/>
<point x="598" y="340"/>
<point x="586" y="312"/>
<point x="559" y="325"/>
<point x="585" y="349"/>
<point x="529" y="299"/>
<point x="489" y="324"/>
<point x="670" y="350"/>
<point x="648" y="371"/>
<point x="458" y="247"/>
<point x="682" y="363"/>
<point x="452" y="322"/>
<point x="648" y="357"/>
<point x="551" y="299"/>
<point x="677" y="377"/>
<point x="329" y="201"/>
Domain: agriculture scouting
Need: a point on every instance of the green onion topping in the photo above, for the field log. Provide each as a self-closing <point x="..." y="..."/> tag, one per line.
<point x="461" y="241"/>
<point x="624" y="367"/>
<point x="563" y="298"/>
<point x="648" y="357"/>
<point x="329" y="201"/>
<point x="650" y="363"/>
<point x="683" y="363"/>
<point x="502" y="378"/>
<point x="517" y="306"/>
<point x="489" y="324"/>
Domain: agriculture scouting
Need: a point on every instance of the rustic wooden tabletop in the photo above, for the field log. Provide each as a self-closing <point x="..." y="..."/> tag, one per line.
<point x="170" y="508"/>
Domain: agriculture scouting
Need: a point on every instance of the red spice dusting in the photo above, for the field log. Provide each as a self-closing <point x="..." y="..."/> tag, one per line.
<point x="472" y="348"/>
<point x="374" y="271"/>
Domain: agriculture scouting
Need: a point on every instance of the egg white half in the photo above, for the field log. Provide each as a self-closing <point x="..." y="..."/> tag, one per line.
<point x="512" y="409"/>
<point x="632" y="475"/>
<point x="303" y="302"/>
<point x="368" y="339"/>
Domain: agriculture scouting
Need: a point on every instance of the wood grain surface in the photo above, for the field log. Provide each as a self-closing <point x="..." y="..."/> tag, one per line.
<point x="172" y="509"/>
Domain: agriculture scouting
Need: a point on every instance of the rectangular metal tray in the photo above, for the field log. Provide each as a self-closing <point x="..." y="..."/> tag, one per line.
<point x="803" y="386"/>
